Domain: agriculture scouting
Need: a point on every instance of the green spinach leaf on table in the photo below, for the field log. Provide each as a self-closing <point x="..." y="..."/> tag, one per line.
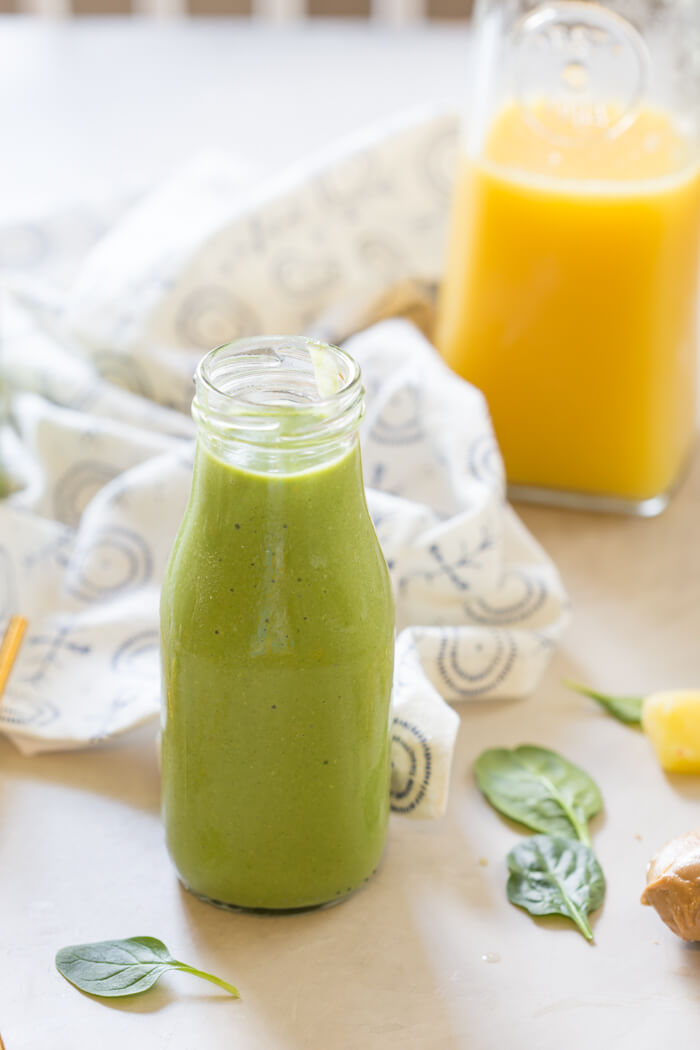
<point x="556" y="876"/>
<point x="540" y="789"/>
<point x="123" y="967"/>
<point x="627" y="709"/>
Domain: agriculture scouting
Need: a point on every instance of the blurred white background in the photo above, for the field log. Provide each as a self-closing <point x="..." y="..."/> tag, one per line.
<point x="93" y="108"/>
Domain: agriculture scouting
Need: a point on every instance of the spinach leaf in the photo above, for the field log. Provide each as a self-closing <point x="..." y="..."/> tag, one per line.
<point x="125" y="967"/>
<point x="627" y="709"/>
<point x="539" y="789"/>
<point x="556" y="876"/>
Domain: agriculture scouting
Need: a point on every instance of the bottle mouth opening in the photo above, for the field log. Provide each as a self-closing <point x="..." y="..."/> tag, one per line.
<point x="278" y="390"/>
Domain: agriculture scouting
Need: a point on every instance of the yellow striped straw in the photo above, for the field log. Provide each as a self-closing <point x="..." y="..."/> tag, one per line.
<point x="8" y="652"/>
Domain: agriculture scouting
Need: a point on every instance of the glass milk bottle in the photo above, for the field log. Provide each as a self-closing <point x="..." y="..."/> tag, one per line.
<point x="277" y="638"/>
<point x="571" y="280"/>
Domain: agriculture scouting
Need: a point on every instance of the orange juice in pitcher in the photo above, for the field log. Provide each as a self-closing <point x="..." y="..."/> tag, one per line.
<point x="571" y="284"/>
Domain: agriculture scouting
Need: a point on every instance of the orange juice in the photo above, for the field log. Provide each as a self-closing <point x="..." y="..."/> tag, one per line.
<point x="570" y="296"/>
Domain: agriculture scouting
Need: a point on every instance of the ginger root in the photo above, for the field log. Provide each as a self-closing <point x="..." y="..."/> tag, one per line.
<point x="673" y="885"/>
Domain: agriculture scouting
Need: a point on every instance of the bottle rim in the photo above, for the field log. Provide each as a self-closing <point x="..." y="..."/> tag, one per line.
<point x="278" y="391"/>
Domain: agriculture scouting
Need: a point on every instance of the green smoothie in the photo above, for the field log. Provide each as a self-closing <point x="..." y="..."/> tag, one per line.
<point x="277" y="640"/>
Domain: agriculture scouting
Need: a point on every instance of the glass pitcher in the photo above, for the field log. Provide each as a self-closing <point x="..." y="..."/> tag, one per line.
<point x="571" y="282"/>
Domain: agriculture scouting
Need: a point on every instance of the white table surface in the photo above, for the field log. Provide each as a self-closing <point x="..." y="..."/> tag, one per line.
<point x="402" y="965"/>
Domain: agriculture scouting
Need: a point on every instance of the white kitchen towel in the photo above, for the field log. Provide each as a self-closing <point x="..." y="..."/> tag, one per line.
<point x="98" y="442"/>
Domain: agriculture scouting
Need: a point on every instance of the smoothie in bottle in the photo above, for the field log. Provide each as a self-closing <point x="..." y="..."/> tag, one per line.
<point x="277" y="638"/>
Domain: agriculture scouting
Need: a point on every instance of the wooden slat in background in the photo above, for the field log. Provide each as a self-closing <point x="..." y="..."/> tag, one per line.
<point x="8" y="7"/>
<point x="449" y="8"/>
<point x="220" y="7"/>
<point x="341" y="8"/>
<point x="101" y="7"/>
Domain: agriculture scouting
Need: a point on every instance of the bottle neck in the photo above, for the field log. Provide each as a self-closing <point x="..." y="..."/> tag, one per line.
<point x="278" y="405"/>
